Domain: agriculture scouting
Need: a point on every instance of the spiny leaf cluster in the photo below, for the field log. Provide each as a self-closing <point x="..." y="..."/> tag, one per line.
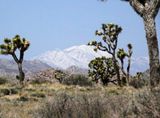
<point x="101" y="68"/>
<point x="109" y="34"/>
<point x="11" y="45"/>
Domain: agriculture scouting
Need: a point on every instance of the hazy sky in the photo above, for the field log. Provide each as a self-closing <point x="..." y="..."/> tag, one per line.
<point x="58" y="24"/>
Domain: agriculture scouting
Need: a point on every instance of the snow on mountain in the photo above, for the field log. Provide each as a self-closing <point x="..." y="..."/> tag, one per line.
<point x="78" y="56"/>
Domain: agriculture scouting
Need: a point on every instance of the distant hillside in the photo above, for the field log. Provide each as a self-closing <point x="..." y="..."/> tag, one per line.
<point x="9" y="67"/>
<point x="77" y="70"/>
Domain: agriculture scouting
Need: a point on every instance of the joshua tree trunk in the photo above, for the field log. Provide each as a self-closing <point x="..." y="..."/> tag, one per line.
<point x="148" y="10"/>
<point x="128" y="69"/>
<point x="117" y="70"/>
<point x="153" y="50"/>
<point x="21" y="73"/>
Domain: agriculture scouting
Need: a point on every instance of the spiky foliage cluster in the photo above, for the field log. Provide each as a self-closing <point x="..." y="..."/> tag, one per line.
<point x="121" y="54"/>
<point x="109" y="34"/>
<point x="102" y="68"/>
<point x="10" y="47"/>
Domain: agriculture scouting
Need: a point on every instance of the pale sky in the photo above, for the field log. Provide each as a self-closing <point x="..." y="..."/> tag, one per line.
<point x="58" y="24"/>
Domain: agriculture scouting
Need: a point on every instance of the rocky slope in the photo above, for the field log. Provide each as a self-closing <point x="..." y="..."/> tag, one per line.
<point x="9" y="67"/>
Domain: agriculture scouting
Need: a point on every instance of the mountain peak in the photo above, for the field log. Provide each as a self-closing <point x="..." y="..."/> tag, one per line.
<point x="78" y="56"/>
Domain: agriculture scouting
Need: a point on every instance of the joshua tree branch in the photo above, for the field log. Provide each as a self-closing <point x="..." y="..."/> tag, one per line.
<point x="103" y="48"/>
<point x="137" y="6"/>
<point x="155" y="5"/>
<point x="15" y="58"/>
<point x="21" y="56"/>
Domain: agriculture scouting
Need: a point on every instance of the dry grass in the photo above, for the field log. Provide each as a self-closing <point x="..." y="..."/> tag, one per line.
<point x="61" y="101"/>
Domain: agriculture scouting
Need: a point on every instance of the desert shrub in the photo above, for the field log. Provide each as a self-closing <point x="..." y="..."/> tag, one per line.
<point x="139" y="80"/>
<point x="13" y="91"/>
<point x="3" y="80"/>
<point x="143" y="104"/>
<point x="38" y="81"/>
<point x="35" y="81"/>
<point x="151" y="103"/>
<point x="138" y="83"/>
<point x="4" y="91"/>
<point x="23" y="99"/>
<point x="77" y="80"/>
<point x="8" y="91"/>
<point x="81" y="106"/>
<point x="38" y="94"/>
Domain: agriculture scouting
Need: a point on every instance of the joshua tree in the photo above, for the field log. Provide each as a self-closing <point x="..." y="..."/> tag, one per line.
<point x="101" y="68"/>
<point x="121" y="54"/>
<point x="109" y="34"/>
<point x="148" y="10"/>
<point x="10" y="47"/>
<point x="59" y="75"/>
<point x="129" y="61"/>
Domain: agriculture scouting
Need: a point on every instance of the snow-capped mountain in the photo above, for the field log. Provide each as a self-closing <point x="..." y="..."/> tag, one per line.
<point x="78" y="56"/>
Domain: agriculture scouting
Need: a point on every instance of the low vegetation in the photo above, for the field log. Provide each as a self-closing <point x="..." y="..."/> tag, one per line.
<point x="55" y="100"/>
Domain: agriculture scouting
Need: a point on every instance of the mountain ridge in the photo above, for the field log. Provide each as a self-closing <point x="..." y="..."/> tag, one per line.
<point x="9" y="67"/>
<point x="80" y="56"/>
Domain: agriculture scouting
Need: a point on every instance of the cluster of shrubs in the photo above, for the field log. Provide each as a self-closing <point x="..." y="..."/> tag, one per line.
<point x="3" y="80"/>
<point x="143" y="104"/>
<point x="76" y="79"/>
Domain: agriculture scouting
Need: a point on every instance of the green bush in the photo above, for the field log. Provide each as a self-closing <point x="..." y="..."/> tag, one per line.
<point x="4" y="91"/>
<point x="8" y="91"/>
<point x="77" y="80"/>
<point x="13" y="91"/>
<point x="38" y="81"/>
<point x="138" y="83"/>
<point x="3" y="80"/>
<point x="23" y="99"/>
<point x="39" y="95"/>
